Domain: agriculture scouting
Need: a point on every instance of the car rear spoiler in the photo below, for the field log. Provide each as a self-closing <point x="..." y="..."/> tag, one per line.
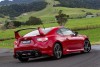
<point x="17" y="35"/>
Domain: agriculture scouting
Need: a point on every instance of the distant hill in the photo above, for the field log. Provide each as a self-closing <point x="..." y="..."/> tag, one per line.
<point x="15" y="10"/>
<point x="9" y="2"/>
<point x="91" y="4"/>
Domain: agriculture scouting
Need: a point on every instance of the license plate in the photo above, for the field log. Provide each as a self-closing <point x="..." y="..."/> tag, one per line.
<point x="26" y="54"/>
<point x="26" y="42"/>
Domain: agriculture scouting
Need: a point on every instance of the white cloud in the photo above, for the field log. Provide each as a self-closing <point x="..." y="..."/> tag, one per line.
<point x="10" y="0"/>
<point x="3" y="0"/>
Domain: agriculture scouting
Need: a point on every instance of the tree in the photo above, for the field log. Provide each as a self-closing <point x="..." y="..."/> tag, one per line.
<point x="61" y="18"/>
<point x="33" y="21"/>
<point x="12" y="24"/>
<point x="91" y="4"/>
<point x="17" y="23"/>
<point x="2" y="16"/>
<point x="89" y="13"/>
<point x="9" y="25"/>
<point x="15" y="10"/>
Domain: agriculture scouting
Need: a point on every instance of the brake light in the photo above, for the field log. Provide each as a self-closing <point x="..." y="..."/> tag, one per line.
<point x="15" y="44"/>
<point x="42" y="39"/>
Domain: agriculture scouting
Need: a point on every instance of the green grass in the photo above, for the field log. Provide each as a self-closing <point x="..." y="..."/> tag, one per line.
<point x="93" y="34"/>
<point x="7" y="44"/>
<point x="79" y="23"/>
<point x="51" y="12"/>
<point x="48" y="14"/>
<point x="2" y="20"/>
<point x="72" y="24"/>
<point x="10" y="32"/>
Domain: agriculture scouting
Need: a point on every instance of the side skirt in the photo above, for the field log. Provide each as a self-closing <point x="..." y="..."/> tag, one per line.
<point x="75" y="51"/>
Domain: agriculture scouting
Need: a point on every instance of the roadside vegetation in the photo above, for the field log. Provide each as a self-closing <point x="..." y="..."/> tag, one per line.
<point x="89" y="27"/>
<point x="93" y="34"/>
<point x="74" y="24"/>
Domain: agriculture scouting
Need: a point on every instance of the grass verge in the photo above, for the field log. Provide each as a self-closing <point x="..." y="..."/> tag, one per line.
<point x="93" y="35"/>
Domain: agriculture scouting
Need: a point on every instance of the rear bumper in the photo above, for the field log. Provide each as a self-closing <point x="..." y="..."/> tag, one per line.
<point x="27" y="54"/>
<point x="32" y="53"/>
<point x="44" y="48"/>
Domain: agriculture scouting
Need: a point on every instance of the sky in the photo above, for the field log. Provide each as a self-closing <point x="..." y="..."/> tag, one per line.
<point x="3" y="0"/>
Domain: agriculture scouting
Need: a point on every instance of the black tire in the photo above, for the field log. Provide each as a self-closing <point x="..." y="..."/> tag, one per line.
<point x="57" y="51"/>
<point x="87" y="46"/>
<point x="23" y="59"/>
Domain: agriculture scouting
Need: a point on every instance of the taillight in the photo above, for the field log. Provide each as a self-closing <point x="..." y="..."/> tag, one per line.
<point x="15" y="44"/>
<point x="42" y="39"/>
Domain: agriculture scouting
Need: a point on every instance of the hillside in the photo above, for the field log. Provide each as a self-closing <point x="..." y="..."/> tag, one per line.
<point x="48" y="14"/>
<point x="45" y="14"/>
<point x="15" y="10"/>
<point x="9" y="2"/>
<point x="91" y="4"/>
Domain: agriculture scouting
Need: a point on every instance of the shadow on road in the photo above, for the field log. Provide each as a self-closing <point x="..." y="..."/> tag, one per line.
<point x="45" y="59"/>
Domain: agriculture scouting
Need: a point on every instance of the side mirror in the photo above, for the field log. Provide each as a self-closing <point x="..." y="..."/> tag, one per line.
<point x="76" y="33"/>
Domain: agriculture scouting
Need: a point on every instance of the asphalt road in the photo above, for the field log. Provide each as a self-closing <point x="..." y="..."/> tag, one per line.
<point x="91" y="59"/>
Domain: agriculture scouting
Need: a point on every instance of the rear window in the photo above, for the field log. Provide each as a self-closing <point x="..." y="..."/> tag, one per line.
<point x="36" y="32"/>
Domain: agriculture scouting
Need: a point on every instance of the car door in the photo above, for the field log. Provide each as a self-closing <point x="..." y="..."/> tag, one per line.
<point x="71" y="41"/>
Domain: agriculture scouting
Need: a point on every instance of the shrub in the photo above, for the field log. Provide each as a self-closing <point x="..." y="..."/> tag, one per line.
<point x="17" y="23"/>
<point x="89" y="13"/>
<point x="12" y="24"/>
<point x="33" y="21"/>
<point x="9" y="25"/>
<point x="2" y="16"/>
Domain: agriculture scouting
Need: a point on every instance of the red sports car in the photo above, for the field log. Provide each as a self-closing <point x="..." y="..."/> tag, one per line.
<point x="54" y="41"/>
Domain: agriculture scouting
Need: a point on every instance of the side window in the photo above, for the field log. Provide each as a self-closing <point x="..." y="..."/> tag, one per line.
<point x="59" y="32"/>
<point x="66" y="31"/>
